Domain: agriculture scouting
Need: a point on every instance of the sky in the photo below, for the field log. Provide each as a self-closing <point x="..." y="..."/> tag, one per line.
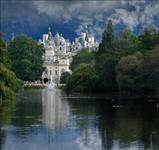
<point x="70" y="17"/>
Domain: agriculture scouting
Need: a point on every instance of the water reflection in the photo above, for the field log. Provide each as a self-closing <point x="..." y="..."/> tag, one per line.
<point x="48" y="120"/>
<point x="55" y="111"/>
<point x="129" y="127"/>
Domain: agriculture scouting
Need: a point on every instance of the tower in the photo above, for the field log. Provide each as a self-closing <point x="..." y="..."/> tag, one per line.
<point x="50" y="37"/>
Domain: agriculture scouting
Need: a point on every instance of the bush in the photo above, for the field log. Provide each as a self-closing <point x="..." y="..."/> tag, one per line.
<point x="82" y="79"/>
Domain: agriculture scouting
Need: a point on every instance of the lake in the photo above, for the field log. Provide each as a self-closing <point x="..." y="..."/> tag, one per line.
<point x="51" y="120"/>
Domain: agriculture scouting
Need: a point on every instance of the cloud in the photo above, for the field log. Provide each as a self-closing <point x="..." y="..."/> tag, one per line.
<point x="35" y="15"/>
<point x="130" y="19"/>
<point x="95" y="14"/>
<point x="86" y="13"/>
<point x="58" y="9"/>
<point x="143" y="14"/>
<point x="89" y="140"/>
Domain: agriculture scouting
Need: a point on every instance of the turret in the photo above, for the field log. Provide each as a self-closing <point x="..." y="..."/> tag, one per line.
<point x="50" y="37"/>
<point x="57" y="35"/>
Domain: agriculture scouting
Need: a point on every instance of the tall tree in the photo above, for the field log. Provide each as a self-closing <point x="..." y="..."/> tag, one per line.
<point x="105" y="67"/>
<point x="26" y="58"/>
<point x="107" y="39"/>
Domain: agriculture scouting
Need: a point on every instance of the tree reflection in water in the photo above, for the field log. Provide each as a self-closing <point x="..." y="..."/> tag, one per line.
<point x="55" y="111"/>
<point x="51" y="120"/>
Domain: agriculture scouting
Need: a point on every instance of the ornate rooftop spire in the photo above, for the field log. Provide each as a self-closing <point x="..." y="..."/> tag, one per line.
<point x="50" y="37"/>
<point x="57" y="35"/>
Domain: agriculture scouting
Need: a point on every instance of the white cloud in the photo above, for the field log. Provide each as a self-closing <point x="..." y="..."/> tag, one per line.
<point x="145" y="15"/>
<point x="130" y="19"/>
<point x="73" y="9"/>
<point x="89" y="140"/>
<point x="87" y="13"/>
<point x="150" y="15"/>
<point x="95" y="14"/>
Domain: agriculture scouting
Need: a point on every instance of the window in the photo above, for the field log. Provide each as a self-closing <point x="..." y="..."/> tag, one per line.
<point x="56" y="72"/>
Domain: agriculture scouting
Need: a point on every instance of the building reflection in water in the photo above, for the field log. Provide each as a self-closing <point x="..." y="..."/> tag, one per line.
<point x="55" y="110"/>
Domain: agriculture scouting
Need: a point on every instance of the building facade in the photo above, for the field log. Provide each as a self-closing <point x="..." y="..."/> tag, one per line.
<point x="59" y="51"/>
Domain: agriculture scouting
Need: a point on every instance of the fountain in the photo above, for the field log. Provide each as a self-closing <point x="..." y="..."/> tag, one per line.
<point x="51" y="85"/>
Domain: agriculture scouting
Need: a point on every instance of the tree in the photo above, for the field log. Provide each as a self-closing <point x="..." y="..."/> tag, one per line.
<point x="82" y="79"/>
<point x="149" y="38"/>
<point x="127" y="43"/>
<point x="64" y="77"/>
<point x="8" y="80"/>
<point x="107" y="39"/>
<point x="105" y="68"/>
<point x="26" y="58"/>
<point x="129" y="72"/>
<point x="83" y="56"/>
<point x="150" y="71"/>
<point x="4" y="53"/>
<point x="122" y="63"/>
<point x="139" y="72"/>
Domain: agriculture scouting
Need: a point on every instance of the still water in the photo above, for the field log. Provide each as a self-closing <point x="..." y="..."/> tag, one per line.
<point x="50" y="120"/>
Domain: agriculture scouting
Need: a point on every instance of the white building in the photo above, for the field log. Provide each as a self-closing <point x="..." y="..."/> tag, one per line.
<point x="85" y="40"/>
<point x="59" y="51"/>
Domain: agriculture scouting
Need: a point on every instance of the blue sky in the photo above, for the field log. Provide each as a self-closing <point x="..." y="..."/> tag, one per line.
<point x="33" y="17"/>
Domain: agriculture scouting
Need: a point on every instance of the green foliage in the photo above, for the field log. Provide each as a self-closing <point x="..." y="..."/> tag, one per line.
<point x="8" y="80"/>
<point x="83" y="56"/>
<point x="8" y="77"/>
<point x="82" y="79"/>
<point x="105" y="68"/>
<point x="129" y="72"/>
<point x="106" y="61"/>
<point x="126" y="63"/>
<point x="4" y="57"/>
<point x="26" y="58"/>
<point x="107" y="39"/>
<point x="151" y="69"/>
<point x="149" y="38"/>
<point x="64" y="77"/>
<point x="2" y="43"/>
<point x="139" y="72"/>
<point x="127" y="43"/>
<point x="4" y="53"/>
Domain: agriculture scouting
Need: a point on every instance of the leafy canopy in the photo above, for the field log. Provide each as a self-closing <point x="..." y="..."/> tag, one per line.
<point x="26" y="58"/>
